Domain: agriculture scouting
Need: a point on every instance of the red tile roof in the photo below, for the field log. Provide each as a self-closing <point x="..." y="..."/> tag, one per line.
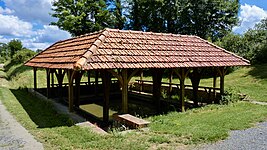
<point x="111" y="48"/>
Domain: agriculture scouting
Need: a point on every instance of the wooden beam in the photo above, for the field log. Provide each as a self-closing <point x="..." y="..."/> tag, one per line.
<point x="124" y="91"/>
<point x="88" y="78"/>
<point x="48" y="90"/>
<point x="78" y="77"/>
<point x="106" y="80"/>
<point x="96" y="82"/>
<point x="52" y="79"/>
<point x="182" y="73"/>
<point x="182" y="87"/>
<point x="135" y="71"/>
<point x="141" y="80"/>
<point x="60" y="77"/>
<point x="71" y="75"/>
<point x="214" y="84"/>
<point x="170" y="83"/>
<point x="222" y="72"/>
<point x="157" y="77"/>
<point x="195" y="77"/>
<point x="116" y="75"/>
<point x="34" y="78"/>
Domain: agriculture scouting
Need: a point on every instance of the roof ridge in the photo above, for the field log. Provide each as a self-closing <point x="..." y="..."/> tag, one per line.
<point x="92" y="49"/>
<point x="223" y="49"/>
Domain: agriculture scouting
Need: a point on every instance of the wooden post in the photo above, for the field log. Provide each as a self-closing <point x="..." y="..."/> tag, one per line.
<point x="182" y="89"/>
<point x="52" y="77"/>
<point x="71" y="74"/>
<point x="106" y="80"/>
<point x="124" y="91"/>
<point x="48" y="82"/>
<point x="141" y="81"/>
<point x="60" y="76"/>
<point x="96" y="82"/>
<point x="157" y="77"/>
<point x="124" y="79"/>
<point x="34" y="78"/>
<point x="78" y="77"/>
<point x="88" y="78"/>
<point x="195" y="77"/>
<point x="214" y="84"/>
<point x="222" y="74"/>
<point x="170" y="84"/>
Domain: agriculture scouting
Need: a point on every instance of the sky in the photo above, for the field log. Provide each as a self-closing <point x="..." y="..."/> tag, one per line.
<point x="28" y="21"/>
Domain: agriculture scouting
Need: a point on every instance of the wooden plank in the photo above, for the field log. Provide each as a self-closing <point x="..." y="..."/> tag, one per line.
<point x="131" y="121"/>
<point x="94" y="127"/>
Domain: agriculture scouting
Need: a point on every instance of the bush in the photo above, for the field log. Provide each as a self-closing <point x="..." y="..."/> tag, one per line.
<point x="229" y="96"/>
<point x="23" y="55"/>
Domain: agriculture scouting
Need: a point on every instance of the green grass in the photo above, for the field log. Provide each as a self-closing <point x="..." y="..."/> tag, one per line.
<point x="210" y="123"/>
<point x="206" y="124"/>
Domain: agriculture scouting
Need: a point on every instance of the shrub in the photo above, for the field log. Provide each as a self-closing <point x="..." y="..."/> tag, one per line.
<point x="229" y="96"/>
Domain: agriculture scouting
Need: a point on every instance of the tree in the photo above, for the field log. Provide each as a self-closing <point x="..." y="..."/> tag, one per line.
<point x="116" y="8"/>
<point x="205" y="18"/>
<point x="252" y="45"/>
<point x="4" y="52"/>
<point x="14" y="46"/>
<point x="81" y="16"/>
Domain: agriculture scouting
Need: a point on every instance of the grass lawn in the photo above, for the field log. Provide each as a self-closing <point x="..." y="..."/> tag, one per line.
<point x="169" y="131"/>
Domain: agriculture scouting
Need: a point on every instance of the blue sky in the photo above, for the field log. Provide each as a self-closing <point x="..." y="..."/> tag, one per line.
<point x="28" y="21"/>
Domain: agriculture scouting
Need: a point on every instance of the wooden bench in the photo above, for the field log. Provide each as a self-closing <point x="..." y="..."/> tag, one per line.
<point x="131" y="121"/>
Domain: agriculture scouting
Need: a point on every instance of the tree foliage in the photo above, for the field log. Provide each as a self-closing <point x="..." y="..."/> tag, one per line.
<point x="4" y="52"/>
<point x="14" y="46"/>
<point x="205" y="18"/>
<point x="252" y="45"/>
<point x="81" y="16"/>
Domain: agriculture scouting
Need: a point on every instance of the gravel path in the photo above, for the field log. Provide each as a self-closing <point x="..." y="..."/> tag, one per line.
<point x="249" y="139"/>
<point x="13" y="136"/>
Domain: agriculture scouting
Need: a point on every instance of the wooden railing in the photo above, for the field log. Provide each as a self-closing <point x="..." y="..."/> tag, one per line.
<point x="85" y="83"/>
<point x="167" y="84"/>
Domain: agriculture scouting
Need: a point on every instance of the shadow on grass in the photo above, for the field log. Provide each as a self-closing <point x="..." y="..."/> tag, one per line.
<point x="18" y="70"/>
<point x="41" y="112"/>
<point x="259" y="71"/>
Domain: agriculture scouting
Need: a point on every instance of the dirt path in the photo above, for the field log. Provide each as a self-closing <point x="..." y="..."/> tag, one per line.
<point x="12" y="135"/>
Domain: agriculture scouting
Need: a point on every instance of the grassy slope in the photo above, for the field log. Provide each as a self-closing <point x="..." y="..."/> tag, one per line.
<point x="206" y="124"/>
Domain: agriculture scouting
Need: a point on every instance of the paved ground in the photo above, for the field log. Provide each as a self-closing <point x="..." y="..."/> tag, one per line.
<point x="12" y="135"/>
<point x="249" y="139"/>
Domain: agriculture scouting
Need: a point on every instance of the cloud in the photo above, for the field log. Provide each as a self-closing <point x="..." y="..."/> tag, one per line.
<point x="31" y="10"/>
<point x="12" y="26"/>
<point x="42" y="38"/>
<point x="6" y="11"/>
<point x="249" y="16"/>
<point x="51" y="34"/>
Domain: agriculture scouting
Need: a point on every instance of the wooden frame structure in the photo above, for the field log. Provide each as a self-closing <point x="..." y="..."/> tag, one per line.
<point x="124" y="54"/>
